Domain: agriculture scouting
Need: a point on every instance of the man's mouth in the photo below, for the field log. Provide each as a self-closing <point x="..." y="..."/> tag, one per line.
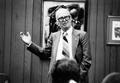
<point x="64" y="23"/>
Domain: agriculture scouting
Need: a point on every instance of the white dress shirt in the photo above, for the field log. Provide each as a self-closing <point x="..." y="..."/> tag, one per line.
<point x="60" y="45"/>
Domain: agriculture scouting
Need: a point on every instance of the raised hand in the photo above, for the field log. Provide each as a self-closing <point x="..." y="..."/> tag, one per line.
<point x="25" y="38"/>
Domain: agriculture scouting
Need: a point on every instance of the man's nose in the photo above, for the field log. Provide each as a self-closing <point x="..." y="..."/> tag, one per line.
<point x="64" y="19"/>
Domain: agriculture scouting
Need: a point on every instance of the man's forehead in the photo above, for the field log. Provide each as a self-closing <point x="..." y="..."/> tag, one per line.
<point x="62" y="12"/>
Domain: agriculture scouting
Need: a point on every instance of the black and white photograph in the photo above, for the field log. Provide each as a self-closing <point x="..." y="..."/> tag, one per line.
<point x="116" y="30"/>
<point x="59" y="41"/>
<point x="113" y="30"/>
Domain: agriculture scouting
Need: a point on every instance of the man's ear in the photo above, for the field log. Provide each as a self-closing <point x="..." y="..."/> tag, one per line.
<point x="57" y="23"/>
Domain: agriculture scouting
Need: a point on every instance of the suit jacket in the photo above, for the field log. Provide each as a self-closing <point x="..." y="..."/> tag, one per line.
<point x="80" y="50"/>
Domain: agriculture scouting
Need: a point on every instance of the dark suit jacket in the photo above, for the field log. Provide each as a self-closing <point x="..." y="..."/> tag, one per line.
<point x="80" y="50"/>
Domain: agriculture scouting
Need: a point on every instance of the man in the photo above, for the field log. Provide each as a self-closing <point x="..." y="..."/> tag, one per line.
<point x="65" y="43"/>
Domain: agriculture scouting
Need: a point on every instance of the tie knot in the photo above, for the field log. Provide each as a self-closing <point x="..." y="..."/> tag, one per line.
<point x="65" y="38"/>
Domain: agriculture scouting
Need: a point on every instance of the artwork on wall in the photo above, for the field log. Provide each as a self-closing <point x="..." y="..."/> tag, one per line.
<point x="77" y="10"/>
<point x="113" y="30"/>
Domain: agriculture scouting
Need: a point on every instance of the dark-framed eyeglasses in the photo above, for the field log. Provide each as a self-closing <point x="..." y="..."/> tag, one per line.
<point x="65" y="18"/>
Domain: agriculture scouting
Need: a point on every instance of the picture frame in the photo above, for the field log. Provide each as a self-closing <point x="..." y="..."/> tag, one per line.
<point x="48" y="16"/>
<point x="113" y="30"/>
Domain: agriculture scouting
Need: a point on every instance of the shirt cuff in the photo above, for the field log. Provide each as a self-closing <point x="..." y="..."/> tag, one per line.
<point x="28" y="45"/>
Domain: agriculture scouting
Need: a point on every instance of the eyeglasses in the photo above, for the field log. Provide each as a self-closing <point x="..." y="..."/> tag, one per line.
<point x="65" y="18"/>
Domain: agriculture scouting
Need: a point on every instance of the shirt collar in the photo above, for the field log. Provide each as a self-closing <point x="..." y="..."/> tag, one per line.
<point x="69" y="31"/>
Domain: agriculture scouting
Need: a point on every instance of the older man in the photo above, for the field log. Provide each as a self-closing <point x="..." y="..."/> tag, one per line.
<point x="67" y="43"/>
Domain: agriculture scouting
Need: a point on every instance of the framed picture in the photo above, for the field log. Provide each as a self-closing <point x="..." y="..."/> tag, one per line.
<point x="113" y="30"/>
<point x="77" y="10"/>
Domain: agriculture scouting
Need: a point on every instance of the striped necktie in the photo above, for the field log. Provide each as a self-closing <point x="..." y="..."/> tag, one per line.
<point x="65" y="50"/>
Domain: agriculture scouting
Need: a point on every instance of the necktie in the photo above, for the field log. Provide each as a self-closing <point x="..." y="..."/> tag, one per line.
<point x="65" y="50"/>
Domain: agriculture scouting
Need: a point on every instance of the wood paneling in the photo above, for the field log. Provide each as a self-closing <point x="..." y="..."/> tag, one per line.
<point x="2" y="25"/>
<point x="36" y="65"/>
<point x="26" y="15"/>
<point x="17" y="49"/>
<point x="105" y="57"/>
<point x="8" y="29"/>
<point x="107" y="12"/>
<point x="100" y="42"/>
<point x="28" y="28"/>
<point x="92" y="14"/>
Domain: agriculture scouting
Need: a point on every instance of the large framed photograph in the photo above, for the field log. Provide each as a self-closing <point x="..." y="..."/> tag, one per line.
<point x="77" y="10"/>
<point x="113" y="30"/>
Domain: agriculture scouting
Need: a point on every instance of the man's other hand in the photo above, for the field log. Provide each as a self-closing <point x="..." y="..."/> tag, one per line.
<point x="26" y="38"/>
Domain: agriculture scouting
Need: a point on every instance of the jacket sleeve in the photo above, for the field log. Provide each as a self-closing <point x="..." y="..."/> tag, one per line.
<point x="86" y="61"/>
<point x="43" y="53"/>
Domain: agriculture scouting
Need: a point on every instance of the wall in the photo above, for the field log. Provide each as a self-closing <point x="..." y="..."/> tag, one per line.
<point x="25" y="15"/>
<point x="105" y="57"/>
<point x="15" y="60"/>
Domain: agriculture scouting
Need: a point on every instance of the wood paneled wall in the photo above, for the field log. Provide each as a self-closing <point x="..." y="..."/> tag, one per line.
<point x="106" y="58"/>
<point x="25" y="15"/>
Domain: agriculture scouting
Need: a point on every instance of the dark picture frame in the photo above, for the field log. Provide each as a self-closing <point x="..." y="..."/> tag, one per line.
<point x="113" y="30"/>
<point x="48" y="16"/>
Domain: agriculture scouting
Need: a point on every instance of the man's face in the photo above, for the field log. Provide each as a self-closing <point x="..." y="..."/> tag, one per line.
<point x="63" y="18"/>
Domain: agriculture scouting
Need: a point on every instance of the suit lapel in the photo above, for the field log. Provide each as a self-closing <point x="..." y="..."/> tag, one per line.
<point x="75" y="39"/>
<point x="56" y="39"/>
<point x="56" y="42"/>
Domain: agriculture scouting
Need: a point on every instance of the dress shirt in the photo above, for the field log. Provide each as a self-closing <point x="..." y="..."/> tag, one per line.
<point x="60" y="45"/>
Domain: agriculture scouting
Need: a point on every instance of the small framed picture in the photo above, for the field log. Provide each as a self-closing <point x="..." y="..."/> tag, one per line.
<point x="113" y="30"/>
